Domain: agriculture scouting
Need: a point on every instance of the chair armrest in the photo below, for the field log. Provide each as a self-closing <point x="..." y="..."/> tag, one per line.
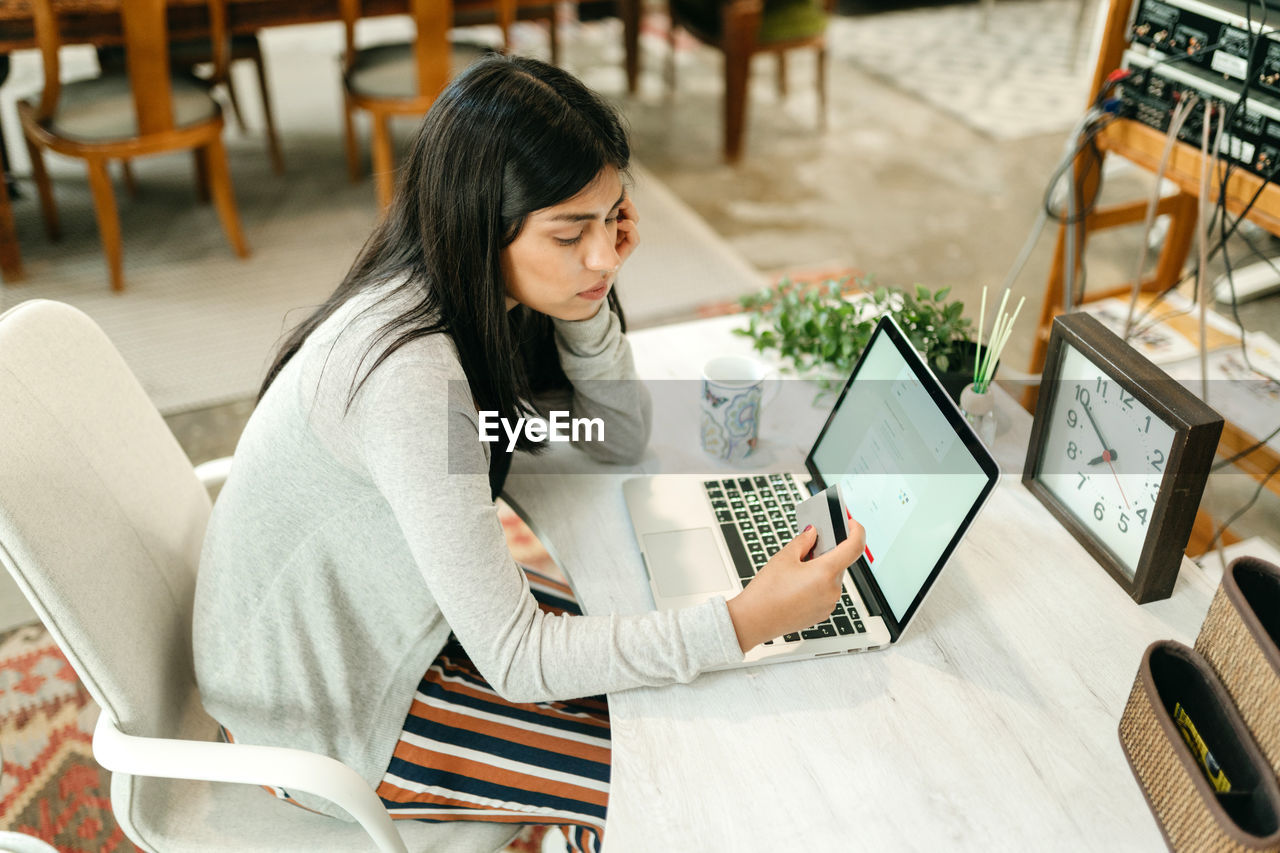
<point x="214" y="472"/>
<point x="252" y="765"/>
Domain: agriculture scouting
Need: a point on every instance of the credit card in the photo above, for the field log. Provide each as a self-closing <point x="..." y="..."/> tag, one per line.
<point x="826" y="512"/>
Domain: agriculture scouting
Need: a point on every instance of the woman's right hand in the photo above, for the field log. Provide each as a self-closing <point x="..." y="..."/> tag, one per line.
<point x="791" y="593"/>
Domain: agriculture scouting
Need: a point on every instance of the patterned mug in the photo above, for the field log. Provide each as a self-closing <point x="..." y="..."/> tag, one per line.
<point x="732" y="394"/>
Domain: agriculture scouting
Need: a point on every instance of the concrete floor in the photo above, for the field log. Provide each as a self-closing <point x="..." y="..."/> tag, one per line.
<point x="894" y="188"/>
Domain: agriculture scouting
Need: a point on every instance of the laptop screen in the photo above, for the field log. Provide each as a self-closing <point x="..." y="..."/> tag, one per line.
<point x="910" y="469"/>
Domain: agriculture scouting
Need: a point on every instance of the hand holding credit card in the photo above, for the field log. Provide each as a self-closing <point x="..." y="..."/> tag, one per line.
<point x="828" y="514"/>
<point x="801" y="583"/>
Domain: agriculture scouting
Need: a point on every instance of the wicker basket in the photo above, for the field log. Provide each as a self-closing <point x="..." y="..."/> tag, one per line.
<point x="1238" y="639"/>
<point x="1190" y="813"/>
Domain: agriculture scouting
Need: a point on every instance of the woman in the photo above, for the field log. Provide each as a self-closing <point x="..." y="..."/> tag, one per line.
<point x="356" y="546"/>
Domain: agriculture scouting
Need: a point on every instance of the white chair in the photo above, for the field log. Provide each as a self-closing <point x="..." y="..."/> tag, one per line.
<point x="101" y="522"/>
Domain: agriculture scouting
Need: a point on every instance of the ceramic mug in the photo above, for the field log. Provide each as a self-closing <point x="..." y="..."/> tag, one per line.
<point x="732" y="396"/>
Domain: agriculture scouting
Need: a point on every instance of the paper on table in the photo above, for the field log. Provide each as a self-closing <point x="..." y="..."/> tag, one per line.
<point x="1250" y="399"/>
<point x="1175" y="335"/>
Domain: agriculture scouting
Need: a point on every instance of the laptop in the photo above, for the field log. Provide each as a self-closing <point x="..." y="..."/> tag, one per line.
<point x="910" y="469"/>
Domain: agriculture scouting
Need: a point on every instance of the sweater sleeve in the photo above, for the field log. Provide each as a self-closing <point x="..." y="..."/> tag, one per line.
<point x="596" y="357"/>
<point x="417" y="434"/>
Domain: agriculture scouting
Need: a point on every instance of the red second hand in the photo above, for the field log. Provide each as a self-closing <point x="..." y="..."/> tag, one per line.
<point x="1106" y="457"/>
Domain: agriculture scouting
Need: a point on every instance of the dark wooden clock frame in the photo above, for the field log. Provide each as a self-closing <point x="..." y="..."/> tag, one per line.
<point x="1196" y="428"/>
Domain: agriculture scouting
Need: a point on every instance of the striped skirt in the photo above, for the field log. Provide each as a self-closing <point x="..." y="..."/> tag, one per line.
<point x="468" y="754"/>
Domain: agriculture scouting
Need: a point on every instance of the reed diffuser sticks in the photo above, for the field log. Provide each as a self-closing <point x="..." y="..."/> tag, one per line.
<point x="985" y="363"/>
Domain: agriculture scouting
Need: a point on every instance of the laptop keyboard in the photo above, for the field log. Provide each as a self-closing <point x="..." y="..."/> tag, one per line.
<point x="757" y="516"/>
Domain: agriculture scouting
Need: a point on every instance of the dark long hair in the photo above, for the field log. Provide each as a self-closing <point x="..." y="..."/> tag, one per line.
<point x="507" y="137"/>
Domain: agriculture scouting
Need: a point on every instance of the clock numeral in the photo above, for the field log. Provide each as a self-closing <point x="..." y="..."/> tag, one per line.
<point x="1158" y="461"/>
<point x="1127" y="401"/>
<point x="1147" y="428"/>
<point x="1082" y="395"/>
<point x="1072" y="450"/>
<point x="1123" y="523"/>
<point x="1072" y="418"/>
<point x="1102" y="387"/>
<point x="1083" y="479"/>
<point x="1142" y="514"/>
<point x="1097" y="510"/>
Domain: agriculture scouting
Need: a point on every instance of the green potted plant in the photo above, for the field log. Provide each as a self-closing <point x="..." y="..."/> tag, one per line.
<point x="823" y="328"/>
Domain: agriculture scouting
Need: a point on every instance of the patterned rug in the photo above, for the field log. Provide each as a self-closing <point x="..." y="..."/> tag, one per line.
<point x="1021" y="72"/>
<point x="50" y="786"/>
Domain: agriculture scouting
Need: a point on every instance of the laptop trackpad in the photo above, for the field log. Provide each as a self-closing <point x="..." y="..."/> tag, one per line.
<point x="686" y="562"/>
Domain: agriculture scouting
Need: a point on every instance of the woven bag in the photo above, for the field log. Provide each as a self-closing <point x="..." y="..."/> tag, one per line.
<point x="1238" y="639"/>
<point x="1191" y="815"/>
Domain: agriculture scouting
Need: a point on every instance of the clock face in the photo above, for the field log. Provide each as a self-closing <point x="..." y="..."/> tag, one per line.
<point x="1104" y="457"/>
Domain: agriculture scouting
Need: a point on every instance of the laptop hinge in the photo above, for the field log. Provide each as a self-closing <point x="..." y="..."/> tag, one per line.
<point x="875" y="602"/>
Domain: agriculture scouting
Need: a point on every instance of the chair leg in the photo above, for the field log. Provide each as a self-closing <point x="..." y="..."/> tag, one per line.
<point x="822" y="88"/>
<point x="353" y="153"/>
<point x="273" y="140"/>
<point x="736" y="71"/>
<point x="104" y="205"/>
<point x="126" y="175"/>
<point x="629" y="11"/>
<point x="235" y="103"/>
<point x="202" y="176"/>
<point x="215" y="156"/>
<point x="52" y="227"/>
<point x="553" y="38"/>
<point x="740" y="27"/>
<point x="10" y="256"/>
<point x="383" y="166"/>
<point x="782" y="74"/>
<point x="672" y="27"/>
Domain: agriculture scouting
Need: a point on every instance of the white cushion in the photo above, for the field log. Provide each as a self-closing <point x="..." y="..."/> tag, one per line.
<point x="387" y="71"/>
<point x="101" y="109"/>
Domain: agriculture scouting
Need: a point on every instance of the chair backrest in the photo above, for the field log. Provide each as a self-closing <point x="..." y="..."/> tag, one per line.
<point x="431" y="19"/>
<point x="101" y="515"/>
<point x="144" y="24"/>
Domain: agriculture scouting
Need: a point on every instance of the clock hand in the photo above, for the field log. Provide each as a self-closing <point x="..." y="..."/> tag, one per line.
<point x="1094" y="424"/>
<point x="1118" y="486"/>
<point x="1108" y="455"/>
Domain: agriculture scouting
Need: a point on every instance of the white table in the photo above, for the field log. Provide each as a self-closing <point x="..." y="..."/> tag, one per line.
<point x="990" y="725"/>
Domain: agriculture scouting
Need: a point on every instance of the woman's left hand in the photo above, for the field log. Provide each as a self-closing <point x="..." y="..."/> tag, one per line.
<point x="628" y="230"/>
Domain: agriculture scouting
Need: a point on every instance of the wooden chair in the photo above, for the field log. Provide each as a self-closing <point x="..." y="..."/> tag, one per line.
<point x="743" y="28"/>
<point x="123" y="116"/>
<point x="470" y="13"/>
<point x="397" y="79"/>
<point x="186" y="54"/>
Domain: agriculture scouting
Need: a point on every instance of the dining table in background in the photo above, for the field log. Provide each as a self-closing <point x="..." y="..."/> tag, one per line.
<point x="97" y="22"/>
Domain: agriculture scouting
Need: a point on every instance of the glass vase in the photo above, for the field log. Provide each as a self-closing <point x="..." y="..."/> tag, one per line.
<point x="980" y="410"/>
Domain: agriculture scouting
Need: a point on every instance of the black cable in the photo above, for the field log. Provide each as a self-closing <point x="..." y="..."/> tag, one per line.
<point x="1223" y="463"/>
<point x="1241" y="103"/>
<point x="1243" y="96"/>
<point x="1244" y="213"/>
<point x="1228" y="121"/>
<point x="1256" y="252"/>
<point x="1084" y="272"/>
<point x="1168" y="60"/>
<point x="1242" y="510"/>
<point x="1235" y="307"/>
<point x="1089" y="140"/>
